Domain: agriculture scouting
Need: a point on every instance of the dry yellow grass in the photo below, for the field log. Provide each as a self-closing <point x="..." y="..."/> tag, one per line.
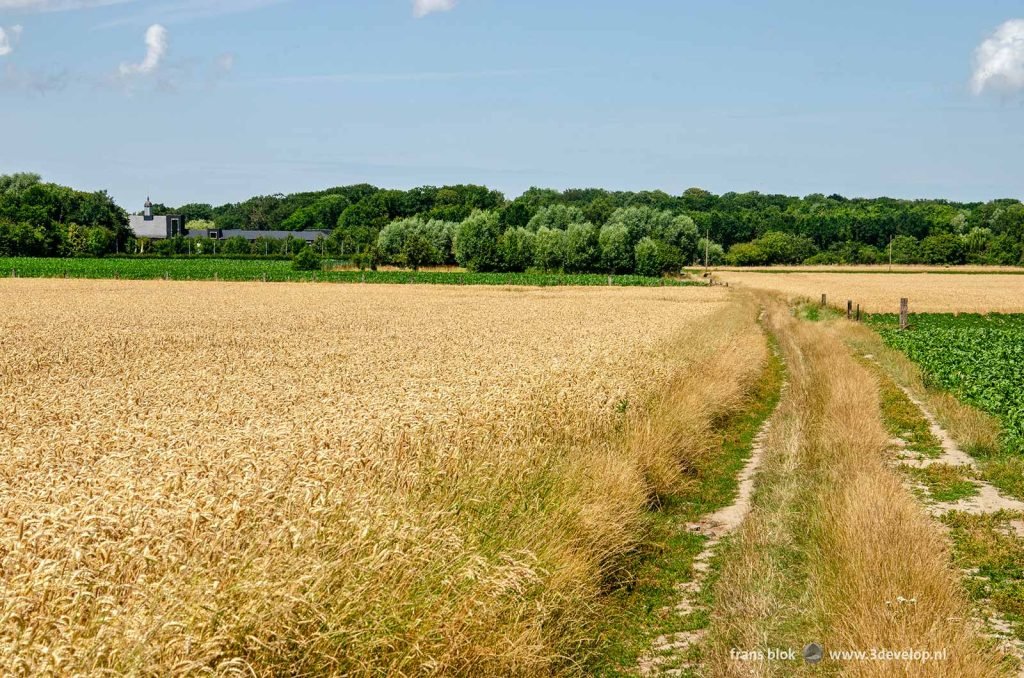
<point x="303" y="479"/>
<point x="836" y="550"/>
<point x="881" y="293"/>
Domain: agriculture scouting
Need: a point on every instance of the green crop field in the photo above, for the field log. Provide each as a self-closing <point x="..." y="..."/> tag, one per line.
<point x="979" y="358"/>
<point x="282" y="271"/>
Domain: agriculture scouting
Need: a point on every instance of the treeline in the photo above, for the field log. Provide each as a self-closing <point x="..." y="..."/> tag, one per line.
<point x="750" y="229"/>
<point x="41" y="219"/>
<point x="638" y="240"/>
<point x="576" y="230"/>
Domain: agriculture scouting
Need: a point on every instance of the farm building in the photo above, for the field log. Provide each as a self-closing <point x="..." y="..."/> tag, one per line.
<point x="146" y="225"/>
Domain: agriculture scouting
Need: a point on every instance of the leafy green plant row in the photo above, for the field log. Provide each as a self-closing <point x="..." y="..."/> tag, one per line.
<point x="979" y="358"/>
<point x="283" y="271"/>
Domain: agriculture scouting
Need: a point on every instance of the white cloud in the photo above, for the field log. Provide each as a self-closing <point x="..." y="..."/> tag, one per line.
<point x="999" y="60"/>
<point x="421" y="8"/>
<point x="156" y="48"/>
<point x="55" y="5"/>
<point x="8" y="39"/>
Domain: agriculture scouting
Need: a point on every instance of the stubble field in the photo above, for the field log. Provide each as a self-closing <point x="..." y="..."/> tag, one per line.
<point x="241" y="478"/>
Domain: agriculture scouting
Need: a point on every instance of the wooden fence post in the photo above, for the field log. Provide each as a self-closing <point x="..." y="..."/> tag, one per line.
<point x="849" y="309"/>
<point x="904" y="313"/>
<point x="824" y="300"/>
<point x="858" y="312"/>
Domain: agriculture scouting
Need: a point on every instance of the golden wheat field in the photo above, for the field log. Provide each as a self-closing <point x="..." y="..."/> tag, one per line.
<point x="305" y="479"/>
<point x="881" y="292"/>
<point x="880" y="268"/>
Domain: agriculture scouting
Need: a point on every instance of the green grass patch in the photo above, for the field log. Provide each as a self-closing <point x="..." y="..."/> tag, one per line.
<point x="945" y="483"/>
<point x="242" y="270"/>
<point x="642" y="611"/>
<point x="1006" y="472"/>
<point x="903" y="419"/>
<point x="815" y="312"/>
<point x="988" y="548"/>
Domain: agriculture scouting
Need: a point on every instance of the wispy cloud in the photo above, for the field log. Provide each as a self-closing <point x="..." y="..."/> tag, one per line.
<point x="9" y="39"/>
<point x="55" y="5"/>
<point x="179" y="11"/>
<point x="225" y="63"/>
<point x="415" y="76"/>
<point x="421" y="8"/>
<point x="33" y="82"/>
<point x="158" y="73"/>
<point x="220" y="69"/>
<point x="156" y="48"/>
<point x="999" y="60"/>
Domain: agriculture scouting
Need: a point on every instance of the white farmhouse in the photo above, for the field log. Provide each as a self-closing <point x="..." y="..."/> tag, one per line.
<point x="146" y="225"/>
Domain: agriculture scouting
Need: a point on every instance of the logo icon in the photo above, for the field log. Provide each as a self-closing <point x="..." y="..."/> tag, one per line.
<point x="813" y="653"/>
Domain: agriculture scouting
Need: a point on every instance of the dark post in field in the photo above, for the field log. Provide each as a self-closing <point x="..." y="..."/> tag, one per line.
<point x="849" y="309"/>
<point x="904" y="313"/>
<point x="824" y="300"/>
<point x="858" y="312"/>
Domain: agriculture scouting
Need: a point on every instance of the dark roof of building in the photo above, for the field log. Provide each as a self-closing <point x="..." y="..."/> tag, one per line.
<point x="309" y="236"/>
<point x="274" y="235"/>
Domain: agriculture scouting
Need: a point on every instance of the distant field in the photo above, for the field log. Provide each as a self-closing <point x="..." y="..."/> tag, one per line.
<point x="879" y="268"/>
<point x="881" y="292"/>
<point x="250" y="270"/>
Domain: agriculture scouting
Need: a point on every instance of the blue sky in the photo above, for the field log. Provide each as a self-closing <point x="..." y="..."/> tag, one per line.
<point x="218" y="100"/>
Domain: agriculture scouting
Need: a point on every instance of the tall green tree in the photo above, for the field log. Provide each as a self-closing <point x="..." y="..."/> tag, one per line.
<point x="476" y="243"/>
<point x="549" y="249"/>
<point x="582" y="248"/>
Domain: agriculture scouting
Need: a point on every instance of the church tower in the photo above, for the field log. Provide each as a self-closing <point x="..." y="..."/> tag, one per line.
<point x="147" y="209"/>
